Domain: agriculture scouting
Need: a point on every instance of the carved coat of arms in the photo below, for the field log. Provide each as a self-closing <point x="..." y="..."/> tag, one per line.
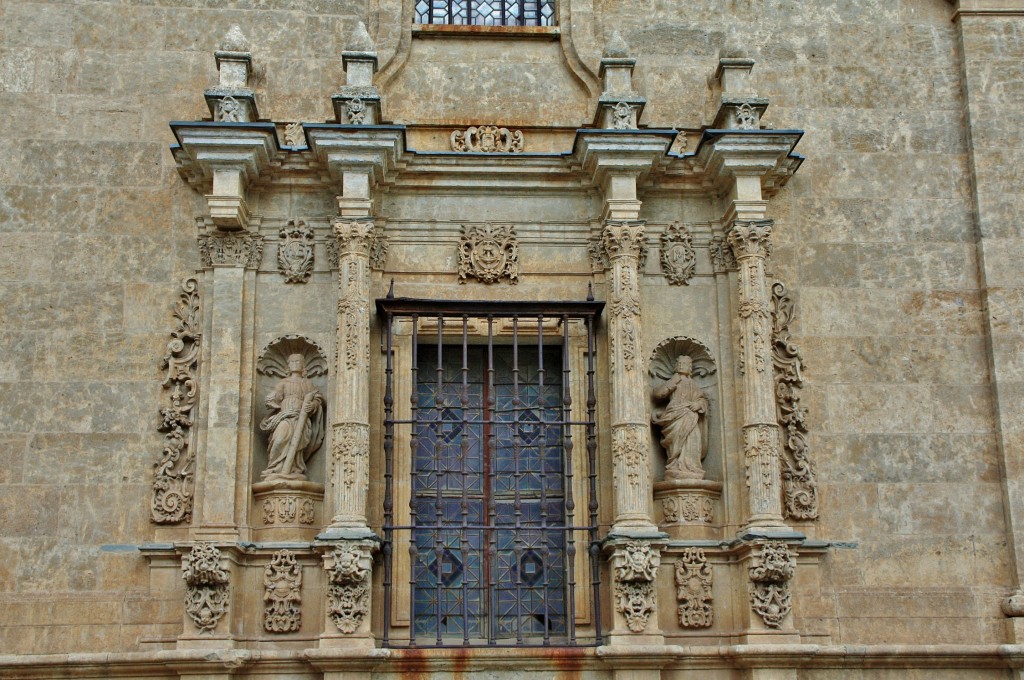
<point x="295" y="252"/>
<point x="489" y="252"/>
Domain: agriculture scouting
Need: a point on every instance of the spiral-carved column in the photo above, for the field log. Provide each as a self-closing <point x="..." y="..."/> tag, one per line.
<point x="751" y="243"/>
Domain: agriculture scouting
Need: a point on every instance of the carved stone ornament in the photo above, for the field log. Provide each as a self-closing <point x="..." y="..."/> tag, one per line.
<point x="747" y="117"/>
<point x="378" y="251"/>
<point x="770" y="597"/>
<point x="348" y="590"/>
<point x="238" y="249"/>
<point x="622" y="116"/>
<point x="288" y="510"/>
<point x="206" y="586"/>
<point x="678" y="260"/>
<point x="295" y="251"/>
<point x="488" y="253"/>
<point x="751" y="238"/>
<point x="282" y="593"/>
<point x="689" y="508"/>
<point x="799" y="483"/>
<point x="230" y="110"/>
<point x="722" y="258"/>
<point x="1013" y="605"/>
<point x="296" y="426"/>
<point x="355" y="110"/>
<point x="683" y="422"/>
<point x="293" y="135"/>
<point x="273" y="359"/>
<point x="693" y="589"/>
<point x="351" y="447"/>
<point x="488" y="139"/>
<point x="634" y="584"/>
<point x="173" y="481"/>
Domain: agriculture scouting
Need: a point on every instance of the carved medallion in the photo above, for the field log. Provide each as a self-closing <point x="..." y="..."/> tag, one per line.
<point x="295" y="252"/>
<point x="693" y="589"/>
<point x="678" y="260"/>
<point x="488" y="139"/>
<point x="229" y="110"/>
<point x="489" y="252"/>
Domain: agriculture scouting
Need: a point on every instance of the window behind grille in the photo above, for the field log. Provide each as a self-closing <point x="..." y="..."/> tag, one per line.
<point x="486" y="12"/>
<point x="499" y="475"/>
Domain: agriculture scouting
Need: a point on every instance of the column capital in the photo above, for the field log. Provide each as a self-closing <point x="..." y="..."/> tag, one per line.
<point x="623" y="238"/>
<point x="751" y="238"/>
<point x="354" y="236"/>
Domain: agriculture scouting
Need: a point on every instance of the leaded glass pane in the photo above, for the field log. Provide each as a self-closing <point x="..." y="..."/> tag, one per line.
<point x="486" y="12"/>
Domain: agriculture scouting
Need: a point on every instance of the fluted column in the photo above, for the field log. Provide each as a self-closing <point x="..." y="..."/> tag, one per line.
<point x="623" y="241"/>
<point x="751" y="243"/>
<point x="350" y="478"/>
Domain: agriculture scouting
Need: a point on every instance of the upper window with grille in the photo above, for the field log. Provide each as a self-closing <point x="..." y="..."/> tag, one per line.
<point x="486" y="12"/>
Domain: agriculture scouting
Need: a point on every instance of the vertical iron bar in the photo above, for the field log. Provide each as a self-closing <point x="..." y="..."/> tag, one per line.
<point x="542" y="452"/>
<point x="490" y="461"/>
<point x="595" y="550"/>
<point x="570" y="504"/>
<point x="438" y="478"/>
<point x="389" y="442"/>
<point x="414" y="446"/>
<point x="517" y="507"/>
<point x="463" y="541"/>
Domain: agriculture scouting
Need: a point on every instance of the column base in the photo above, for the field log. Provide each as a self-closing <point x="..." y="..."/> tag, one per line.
<point x="353" y="533"/>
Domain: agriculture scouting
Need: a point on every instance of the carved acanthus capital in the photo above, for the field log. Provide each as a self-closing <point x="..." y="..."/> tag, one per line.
<point x="231" y="249"/>
<point x="751" y="238"/>
<point x="624" y="239"/>
<point x="354" y="236"/>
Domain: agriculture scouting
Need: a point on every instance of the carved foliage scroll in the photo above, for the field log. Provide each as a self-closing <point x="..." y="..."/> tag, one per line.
<point x="678" y="260"/>
<point x="634" y="584"/>
<point x="295" y="252"/>
<point x="770" y="597"/>
<point x="173" y="481"/>
<point x="489" y="252"/>
<point x="693" y="589"/>
<point x="282" y="594"/>
<point x="799" y="483"/>
<point x="206" y="586"/>
<point x="348" y="590"/>
<point x="488" y="139"/>
<point x="722" y="257"/>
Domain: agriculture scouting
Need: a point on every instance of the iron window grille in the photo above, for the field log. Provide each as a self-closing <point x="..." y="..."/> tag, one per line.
<point x="486" y="12"/>
<point x="481" y="489"/>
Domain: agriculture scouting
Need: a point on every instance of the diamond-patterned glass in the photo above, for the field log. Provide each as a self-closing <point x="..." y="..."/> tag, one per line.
<point x="486" y="12"/>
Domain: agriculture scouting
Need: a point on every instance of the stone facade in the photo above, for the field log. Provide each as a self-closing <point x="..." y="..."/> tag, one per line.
<point x="839" y="184"/>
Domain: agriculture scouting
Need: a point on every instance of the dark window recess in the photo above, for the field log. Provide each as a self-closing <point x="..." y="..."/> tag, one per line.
<point x="486" y="12"/>
<point x="494" y="526"/>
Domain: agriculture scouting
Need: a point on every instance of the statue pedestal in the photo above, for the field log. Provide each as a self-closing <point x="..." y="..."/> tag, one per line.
<point x="287" y="510"/>
<point x="686" y="507"/>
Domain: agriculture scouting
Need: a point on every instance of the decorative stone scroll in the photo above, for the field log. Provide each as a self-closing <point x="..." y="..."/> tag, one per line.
<point x="295" y="252"/>
<point x="635" y="570"/>
<point x="693" y="589"/>
<point x="282" y="593"/>
<point x="688" y="508"/>
<point x="288" y="510"/>
<point x="770" y="597"/>
<point x="294" y="135"/>
<point x="488" y="139"/>
<point x="678" y="261"/>
<point x="722" y="258"/>
<point x="206" y="586"/>
<point x="173" y="482"/>
<point x="799" y="483"/>
<point x="349" y="589"/>
<point x="489" y="253"/>
<point x="237" y="249"/>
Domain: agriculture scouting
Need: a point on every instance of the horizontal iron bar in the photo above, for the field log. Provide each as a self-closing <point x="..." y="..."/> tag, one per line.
<point x="483" y="308"/>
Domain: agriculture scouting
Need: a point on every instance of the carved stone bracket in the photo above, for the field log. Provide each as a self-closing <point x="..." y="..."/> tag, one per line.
<point x="295" y="252"/>
<point x="693" y="589"/>
<point x="488" y="139"/>
<point x="678" y="260"/>
<point x="770" y="574"/>
<point x="206" y="586"/>
<point x="231" y="249"/>
<point x="489" y="253"/>
<point x="799" y="483"/>
<point x="282" y="593"/>
<point x="173" y="481"/>
<point x="348" y="590"/>
<point x="635" y="566"/>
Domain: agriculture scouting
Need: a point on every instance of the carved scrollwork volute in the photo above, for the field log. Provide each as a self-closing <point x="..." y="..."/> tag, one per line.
<point x="173" y="480"/>
<point x="231" y="249"/>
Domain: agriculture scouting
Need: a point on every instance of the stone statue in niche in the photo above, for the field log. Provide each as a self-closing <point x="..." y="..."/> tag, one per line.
<point x="296" y="428"/>
<point x="683" y="422"/>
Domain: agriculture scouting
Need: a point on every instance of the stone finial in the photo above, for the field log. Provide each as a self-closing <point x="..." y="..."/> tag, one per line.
<point x="360" y="40"/>
<point x="234" y="40"/>
<point x="616" y="47"/>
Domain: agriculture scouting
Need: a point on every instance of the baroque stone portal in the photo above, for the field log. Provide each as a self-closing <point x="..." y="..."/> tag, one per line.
<point x="683" y="423"/>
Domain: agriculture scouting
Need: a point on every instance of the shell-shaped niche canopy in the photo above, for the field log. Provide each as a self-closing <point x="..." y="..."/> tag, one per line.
<point x="663" y="358"/>
<point x="273" y="360"/>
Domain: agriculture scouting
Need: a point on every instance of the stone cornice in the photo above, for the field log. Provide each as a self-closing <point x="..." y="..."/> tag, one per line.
<point x="723" y="155"/>
<point x="205" y="147"/>
<point x="600" y="152"/>
<point x="963" y="8"/>
<point x="374" y="149"/>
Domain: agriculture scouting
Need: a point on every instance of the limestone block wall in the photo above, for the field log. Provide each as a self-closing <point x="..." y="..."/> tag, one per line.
<point x="898" y="238"/>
